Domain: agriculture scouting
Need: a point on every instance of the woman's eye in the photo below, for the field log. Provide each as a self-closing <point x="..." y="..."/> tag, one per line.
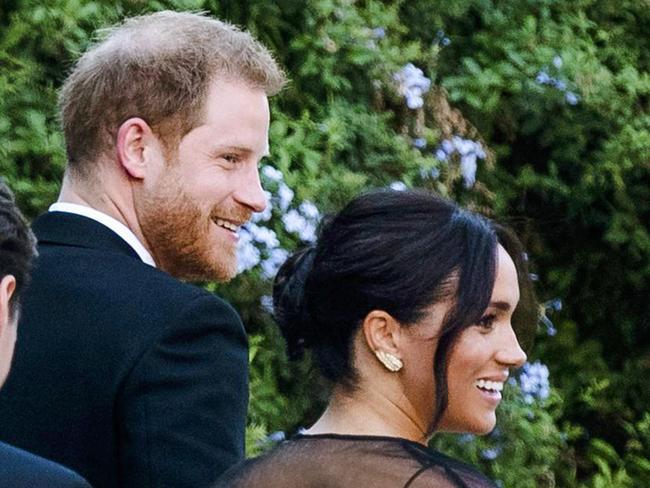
<point x="487" y="322"/>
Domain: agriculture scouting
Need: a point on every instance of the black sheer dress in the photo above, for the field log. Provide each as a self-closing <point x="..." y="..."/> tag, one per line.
<point x="344" y="461"/>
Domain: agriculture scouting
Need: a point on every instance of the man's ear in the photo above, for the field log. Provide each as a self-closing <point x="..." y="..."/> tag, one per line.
<point x="135" y="143"/>
<point x="382" y="332"/>
<point x="7" y="287"/>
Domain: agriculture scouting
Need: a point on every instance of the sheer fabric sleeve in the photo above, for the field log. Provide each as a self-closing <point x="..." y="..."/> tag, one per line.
<point x="334" y="461"/>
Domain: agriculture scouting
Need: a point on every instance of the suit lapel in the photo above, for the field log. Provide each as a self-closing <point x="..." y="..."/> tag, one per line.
<point x="62" y="228"/>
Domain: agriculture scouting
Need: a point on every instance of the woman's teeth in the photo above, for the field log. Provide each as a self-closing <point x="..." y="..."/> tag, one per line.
<point x="489" y="385"/>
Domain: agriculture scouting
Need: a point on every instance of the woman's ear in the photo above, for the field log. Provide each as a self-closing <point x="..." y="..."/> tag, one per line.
<point x="382" y="333"/>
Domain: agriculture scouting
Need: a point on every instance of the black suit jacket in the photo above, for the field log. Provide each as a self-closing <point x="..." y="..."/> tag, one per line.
<point x="20" y="469"/>
<point x="123" y="373"/>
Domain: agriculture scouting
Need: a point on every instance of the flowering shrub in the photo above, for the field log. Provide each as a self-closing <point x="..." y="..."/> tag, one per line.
<point x="532" y="110"/>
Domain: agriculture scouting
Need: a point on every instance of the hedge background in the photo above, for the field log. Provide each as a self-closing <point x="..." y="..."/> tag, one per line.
<point x="533" y="111"/>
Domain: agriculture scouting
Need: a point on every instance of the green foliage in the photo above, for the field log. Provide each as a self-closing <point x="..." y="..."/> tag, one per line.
<point x="573" y="178"/>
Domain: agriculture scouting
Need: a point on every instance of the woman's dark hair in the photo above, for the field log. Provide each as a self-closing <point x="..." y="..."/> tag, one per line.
<point x="17" y="244"/>
<point x="398" y="251"/>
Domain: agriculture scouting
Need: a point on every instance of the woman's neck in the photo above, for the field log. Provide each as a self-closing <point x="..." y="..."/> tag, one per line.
<point x="364" y="413"/>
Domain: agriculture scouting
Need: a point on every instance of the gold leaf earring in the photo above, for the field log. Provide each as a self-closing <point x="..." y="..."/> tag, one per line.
<point x="390" y="361"/>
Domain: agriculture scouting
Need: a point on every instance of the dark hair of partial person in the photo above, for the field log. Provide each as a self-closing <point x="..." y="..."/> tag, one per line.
<point x="397" y="251"/>
<point x="157" y="67"/>
<point x="17" y="244"/>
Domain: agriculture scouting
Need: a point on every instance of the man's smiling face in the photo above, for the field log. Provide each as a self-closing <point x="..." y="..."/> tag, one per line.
<point x="191" y="208"/>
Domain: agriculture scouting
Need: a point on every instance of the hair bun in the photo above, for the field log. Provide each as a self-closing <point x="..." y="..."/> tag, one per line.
<point x="289" y="297"/>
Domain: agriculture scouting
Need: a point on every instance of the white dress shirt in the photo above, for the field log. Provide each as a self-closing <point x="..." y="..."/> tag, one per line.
<point x="116" y="226"/>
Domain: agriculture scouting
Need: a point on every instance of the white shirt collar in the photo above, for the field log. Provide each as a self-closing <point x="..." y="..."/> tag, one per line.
<point x="116" y="226"/>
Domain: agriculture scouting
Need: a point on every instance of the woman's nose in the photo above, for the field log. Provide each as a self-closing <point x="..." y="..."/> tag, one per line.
<point x="511" y="354"/>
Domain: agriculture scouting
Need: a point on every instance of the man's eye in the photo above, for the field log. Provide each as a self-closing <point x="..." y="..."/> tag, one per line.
<point x="231" y="158"/>
<point x="487" y="322"/>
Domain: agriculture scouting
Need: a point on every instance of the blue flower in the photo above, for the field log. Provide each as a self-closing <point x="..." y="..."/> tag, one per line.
<point x="571" y="98"/>
<point x="378" y="32"/>
<point x="412" y="84"/>
<point x="296" y="223"/>
<point x="442" y="39"/>
<point x="559" y="84"/>
<point x="463" y="146"/>
<point x="398" y="186"/>
<point x="272" y="173"/>
<point x="293" y="221"/>
<point x="468" y="169"/>
<point x="248" y="256"/>
<point x="285" y="196"/>
<point x="309" y="210"/>
<point x="414" y="101"/>
<point x="465" y="439"/>
<point x="263" y="235"/>
<point x="266" y="301"/>
<point x="432" y="173"/>
<point x="420" y="142"/>
<point x="308" y="233"/>
<point x="271" y="265"/>
<point x="468" y="150"/>
<point x="278" y="436"/>
<point x="550" y="328"/>
<point x="543" y="78"/>
<point x="555" y="305"/>
<point x="491" y="453"/>
<point x="534" y="382"/>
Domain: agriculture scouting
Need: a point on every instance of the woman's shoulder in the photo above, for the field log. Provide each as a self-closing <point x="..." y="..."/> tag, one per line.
<point x="283" y="466"/>
<point x="446" y="468"/>
<point x="340" y="460"/>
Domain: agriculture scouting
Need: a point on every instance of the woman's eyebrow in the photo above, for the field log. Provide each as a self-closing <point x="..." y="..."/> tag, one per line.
<point x="504" y="306"/>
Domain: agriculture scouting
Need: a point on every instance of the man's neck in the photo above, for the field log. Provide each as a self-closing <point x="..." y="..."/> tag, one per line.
<point x="115" y="204"/>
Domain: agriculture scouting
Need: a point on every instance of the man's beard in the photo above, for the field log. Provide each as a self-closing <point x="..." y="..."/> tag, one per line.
<point x="178" y="233"/>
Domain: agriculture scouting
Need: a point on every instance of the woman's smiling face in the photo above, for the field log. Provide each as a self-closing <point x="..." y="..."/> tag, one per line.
<point x="478" y="364"/>
<point x="482" y="356"/>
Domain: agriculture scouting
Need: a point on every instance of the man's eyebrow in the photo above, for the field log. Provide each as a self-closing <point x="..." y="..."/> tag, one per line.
<point x="240" y="149"/>
<point x="243" y="150"/>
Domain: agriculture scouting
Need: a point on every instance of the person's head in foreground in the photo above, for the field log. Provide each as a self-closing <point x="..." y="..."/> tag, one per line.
<point x="17" y="251"/>
<point x="165" y="121"/>
<point x="407" y="303"/>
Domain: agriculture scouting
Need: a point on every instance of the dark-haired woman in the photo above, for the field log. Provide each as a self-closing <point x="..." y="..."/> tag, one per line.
<point x="407" y="304"/>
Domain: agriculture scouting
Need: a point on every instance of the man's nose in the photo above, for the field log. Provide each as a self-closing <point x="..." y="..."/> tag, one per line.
<point x="250" y="192"/>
